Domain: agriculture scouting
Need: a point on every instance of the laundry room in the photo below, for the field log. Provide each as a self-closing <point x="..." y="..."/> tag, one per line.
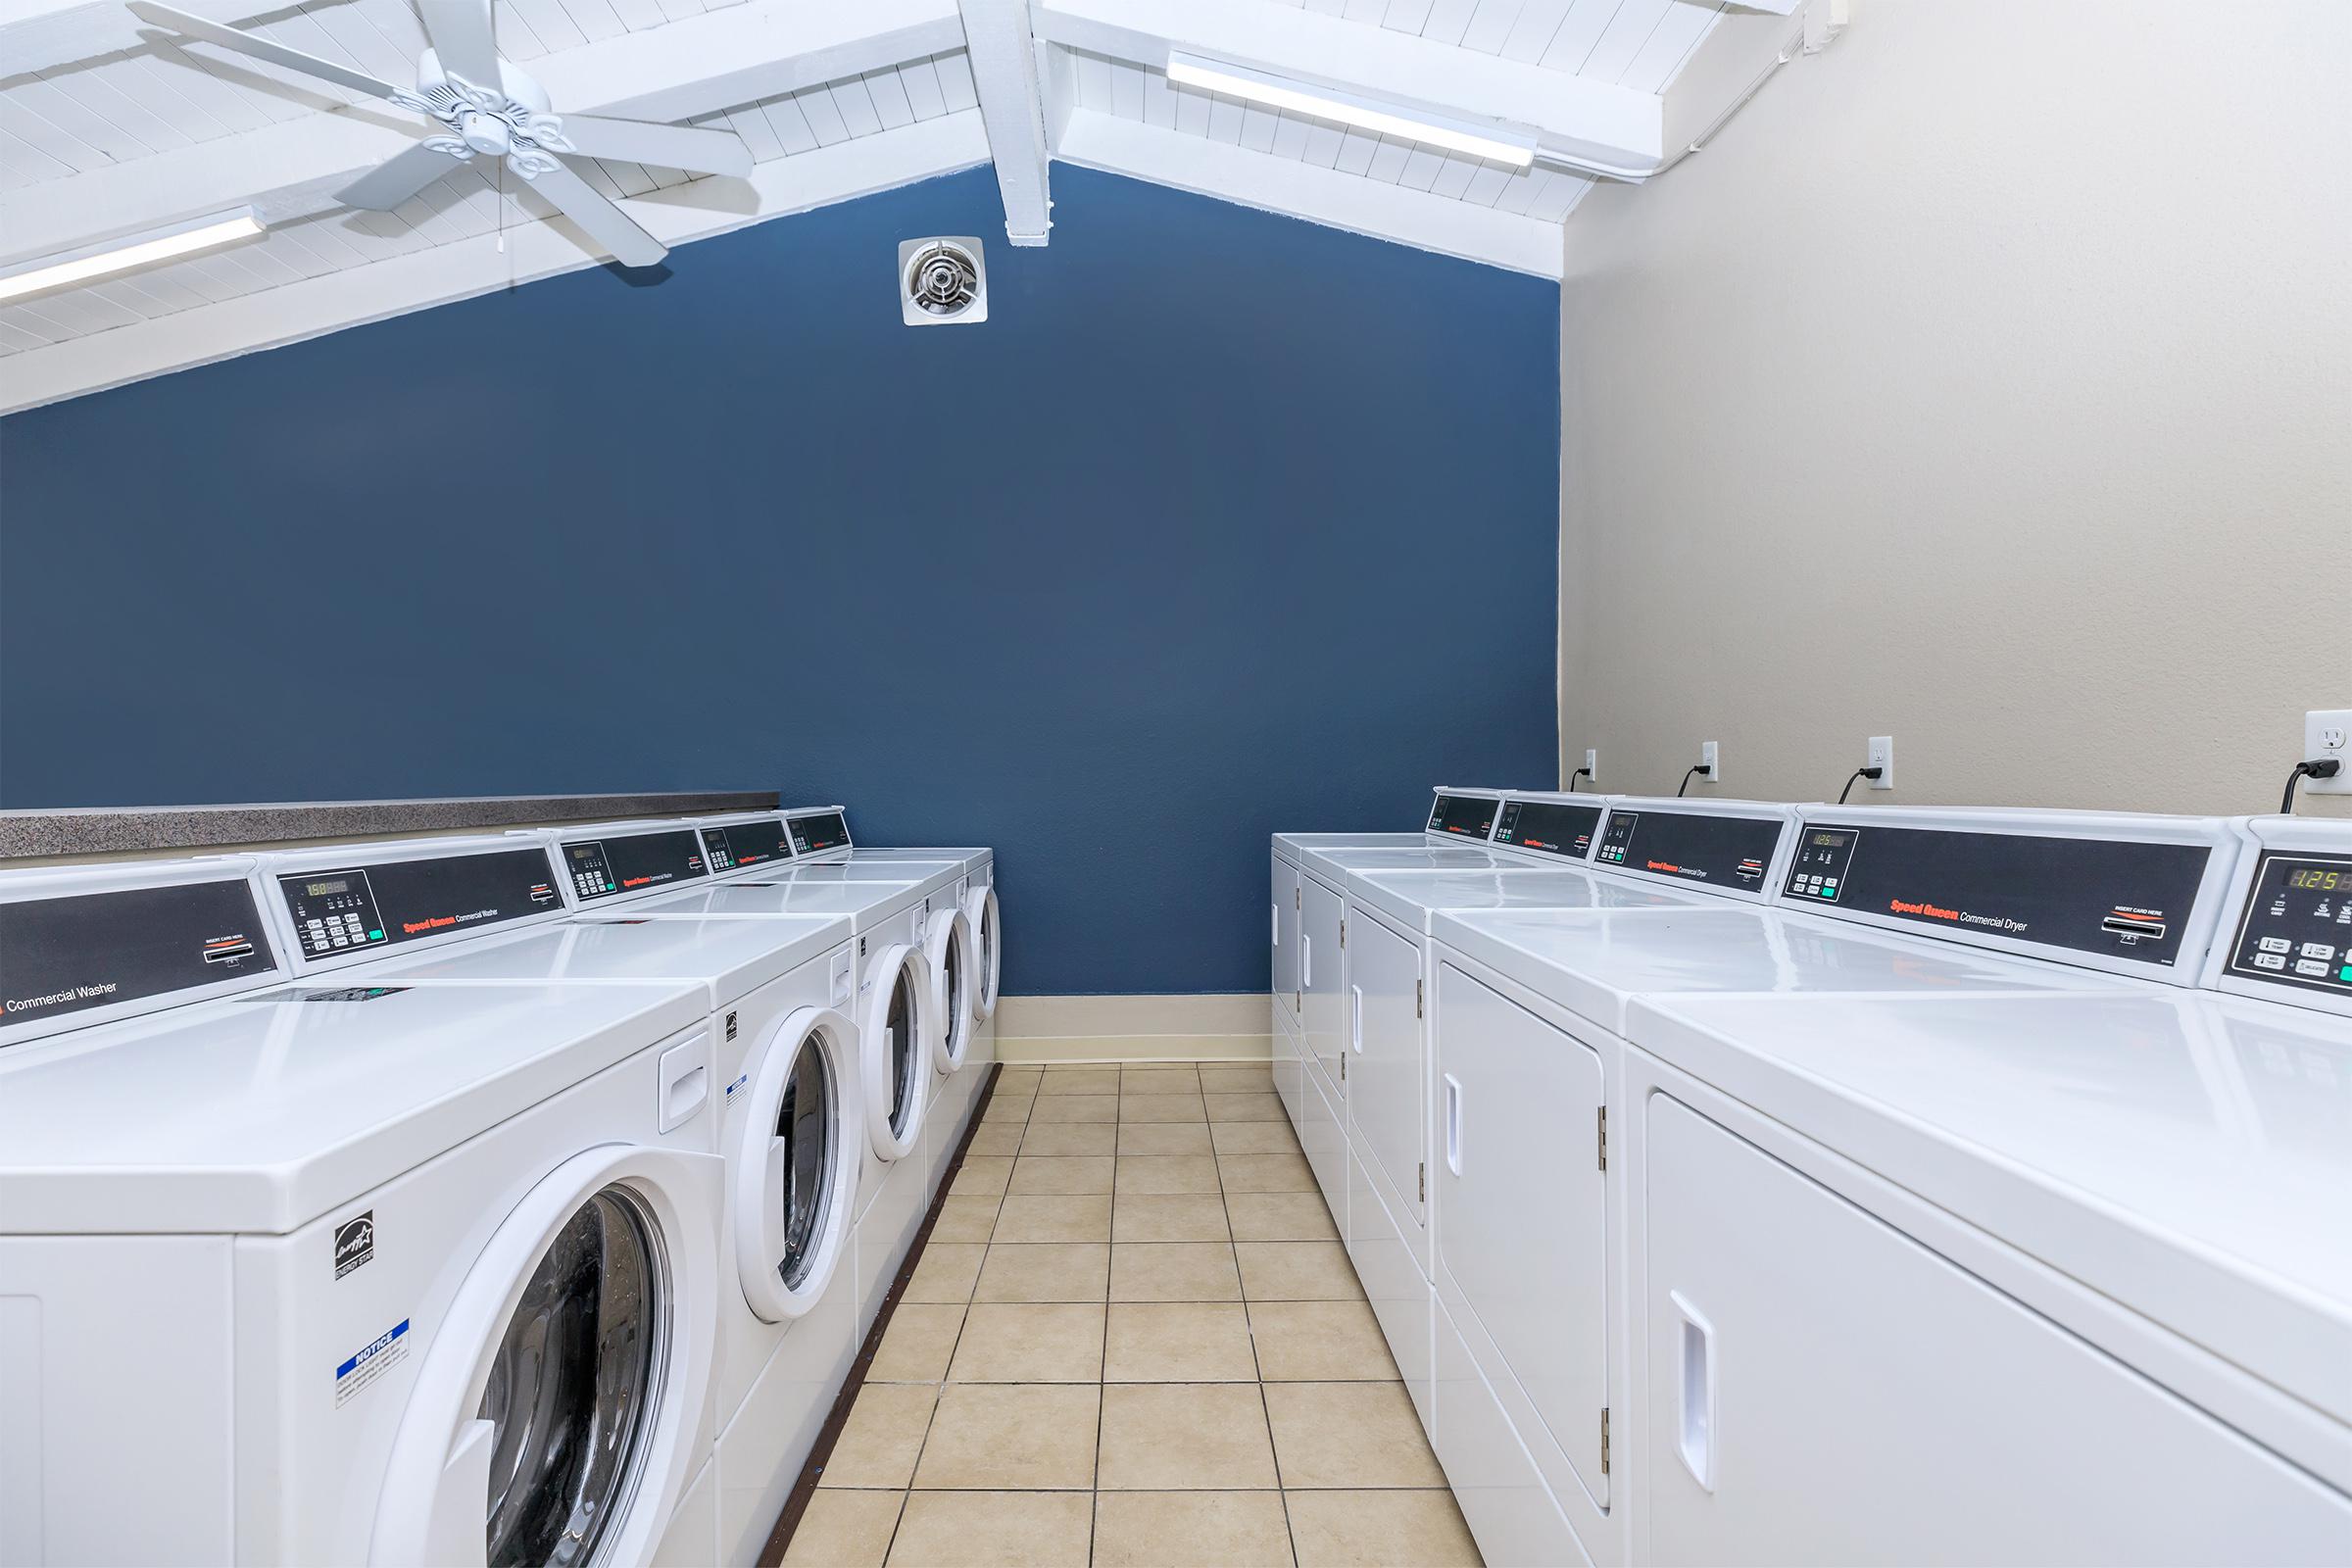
<point x="653" y="656"/>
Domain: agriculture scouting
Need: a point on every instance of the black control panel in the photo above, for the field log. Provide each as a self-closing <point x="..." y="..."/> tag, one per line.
<point x="1723" y="851"/>
<point x="93" y="950"/>
<point x="746" y="843"/>
<point x="2296" y="928"/>
<point x="813" y="835"/>
<point x="1471" y="816"/>
<point x="387" y="903"/>
<point x="1553" y="827"/>
<point x="2125" y="898"/>
<point x="606" y="868"/>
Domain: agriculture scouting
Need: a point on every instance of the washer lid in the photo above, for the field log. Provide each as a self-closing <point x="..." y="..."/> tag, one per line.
<point x="863" y="904"/>
<point x="1409" y="897"/>
<point x="726" y="959"/>
<point x="930" y="874"/>
<point x="261" y="1113"/>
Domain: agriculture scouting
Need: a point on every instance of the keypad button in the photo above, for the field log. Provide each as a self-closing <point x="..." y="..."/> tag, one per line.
<point x="2270" y="960"/>
<point x="2277" y="945"/>
<point x="2310" y="966"/>
<point x="2318" y="949"/>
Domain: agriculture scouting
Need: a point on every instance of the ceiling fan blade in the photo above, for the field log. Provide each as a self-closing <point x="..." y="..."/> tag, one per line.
<point x="246" y="43"/>
<point x="396" y="178"/>
<point x="641" y="141"/>
<point x="604" y="223"/>
<point x="461" y="38"/>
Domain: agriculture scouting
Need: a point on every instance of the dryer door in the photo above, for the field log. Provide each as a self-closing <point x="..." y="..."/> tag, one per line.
<point x="794" y="1174"/>
<point x="988" y="954"/>
<point x="894" y="1025"/>
<point x="554" y="1418"/>
<point x="948" y="945"/>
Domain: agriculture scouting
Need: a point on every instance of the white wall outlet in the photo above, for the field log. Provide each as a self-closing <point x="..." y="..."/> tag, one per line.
<point x="1707" y="761"/>
<point x="1592" y="767"/>
<point x="1881" y="756"/>
<point x="2327" y="732"/>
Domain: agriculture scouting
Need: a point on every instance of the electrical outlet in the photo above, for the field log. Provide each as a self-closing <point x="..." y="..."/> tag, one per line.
<point x="1592" y="767"/>
<point x="1714" y="768"/>
<point x="1882" y="758"/>
<point x="2327" y="732"/>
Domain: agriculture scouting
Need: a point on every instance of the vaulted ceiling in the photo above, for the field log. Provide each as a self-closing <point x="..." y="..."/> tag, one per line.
<point x="112" y="127"/>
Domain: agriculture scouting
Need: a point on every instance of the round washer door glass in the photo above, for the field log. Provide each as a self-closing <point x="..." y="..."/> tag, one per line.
<point x="901" y="1024"/>
<point x="804" y="1121"/>
<point x="573" y="1387"/>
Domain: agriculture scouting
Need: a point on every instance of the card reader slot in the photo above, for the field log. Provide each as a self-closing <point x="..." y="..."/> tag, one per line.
<point x="229" y="951"/>
<point x="2127" y="926"/>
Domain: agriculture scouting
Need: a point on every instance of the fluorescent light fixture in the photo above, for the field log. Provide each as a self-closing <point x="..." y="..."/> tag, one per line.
<point x="125" y="252"/>
<point x="1329" y="103"/>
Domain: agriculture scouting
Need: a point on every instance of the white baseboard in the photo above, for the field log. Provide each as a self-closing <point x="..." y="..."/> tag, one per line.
<point x="1172" y="1028"/>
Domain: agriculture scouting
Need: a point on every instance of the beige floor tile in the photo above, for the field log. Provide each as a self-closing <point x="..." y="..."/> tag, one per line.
<point x="1045" y="1272"/>
<point x="965" y="1219"/>
<point x="1080" y="1217"/>
<point x="1018" y="1076"/>
<point x="1163" y="1138"/>
<point x="1247" y="1108"/>
<point x="1012" y="1436"/>
<point x="1061" y="1175"/>
<point x="1030" y="1342"/>
<point x="845" y="1530"/>
<point x="917" y="1345"/>
<point x="1081" y="1081"/>
<point x="884" y="1433"/>
<point x="1173" y="1271"/>
<point x="1178" y="1341"/>
<point x="1297" y="1271"/>
<point x="1380" y="1530"/>
<point x="1076" y="1107"/>
<point x="993" y="1139"/>
<point x="1159" y="1080"/>
<point x="982" y="1178"/>
<point x="1060" y="1138"/>
<point x="1169" y="1218"/>
<point x="1001" y="1108"/>
<point x="945" y="1272"/>
<point x="1167" y="1173"/>
<point x="1188" y="1529"/>
<point x="1320" y="1342"/>
<point x="1166" y="1437"/>
<point x="994" y="1530"/>
<point x="1161" y="1107"/>
<point x="1265" y="1173"/>
<point x="1279" y="1218"/>
<point x="1348" y="1435"/>
<point x="1254" y="1138"/>
<point x="1251" y="1080"/>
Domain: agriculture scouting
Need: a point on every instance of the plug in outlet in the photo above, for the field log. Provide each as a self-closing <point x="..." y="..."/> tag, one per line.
<point x="2327" y="732"/>
<point x="1711" y="770"/>
<point x="1592" y="767"/>
<point x="1881" y="756"/>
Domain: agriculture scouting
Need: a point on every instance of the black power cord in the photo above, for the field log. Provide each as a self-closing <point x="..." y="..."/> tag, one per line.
<point x="1859" y="774"/>
<point x="2325" y="768"/>
<point x="1693" y="773"/>
<point x="1582" y="772"/>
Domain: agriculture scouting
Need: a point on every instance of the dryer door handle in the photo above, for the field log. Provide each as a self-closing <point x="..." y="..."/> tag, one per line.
<point x="1306" y="960"/>
<point x="1355" y="1026"/>
<point x="1453" y="1125"/>
<point x="1694" y="1405"/>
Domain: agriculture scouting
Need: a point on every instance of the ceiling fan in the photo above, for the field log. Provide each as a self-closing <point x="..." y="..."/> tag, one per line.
<point x="478" y="104"/>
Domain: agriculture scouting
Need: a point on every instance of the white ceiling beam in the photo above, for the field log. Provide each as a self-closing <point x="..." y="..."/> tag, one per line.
<point x="36" y="35"/>
<point x="1739" y="53"/>
<point x="1594" y="125"/>
<point x="439" y="274"/>
<point x="1295" y="190"/>
<point x="1003" y="54"/>
<point x="289" y="170"/>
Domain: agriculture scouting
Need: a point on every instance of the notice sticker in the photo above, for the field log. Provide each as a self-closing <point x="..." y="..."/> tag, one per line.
<point x="376" y="1357"/>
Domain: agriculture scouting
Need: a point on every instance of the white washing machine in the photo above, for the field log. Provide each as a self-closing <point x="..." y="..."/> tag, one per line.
<point x="340" y="1272"/>
<point x="790" y="1127"/>
<point x="1871" y="1230"/>
<point x="1531" y="1364"/>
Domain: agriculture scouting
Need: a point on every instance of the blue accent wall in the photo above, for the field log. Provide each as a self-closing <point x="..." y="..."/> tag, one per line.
<point x="1222" y="523"/>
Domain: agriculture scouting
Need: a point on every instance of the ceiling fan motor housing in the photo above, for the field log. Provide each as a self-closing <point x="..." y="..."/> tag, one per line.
<point x="943" y="281"/>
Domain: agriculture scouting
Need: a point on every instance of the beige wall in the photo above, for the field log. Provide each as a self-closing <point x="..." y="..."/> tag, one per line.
<point x="1986" y="383"/>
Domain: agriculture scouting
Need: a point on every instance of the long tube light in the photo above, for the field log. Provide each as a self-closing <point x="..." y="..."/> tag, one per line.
<point x="1329" y="103"/>
<point x="125" y="252"/>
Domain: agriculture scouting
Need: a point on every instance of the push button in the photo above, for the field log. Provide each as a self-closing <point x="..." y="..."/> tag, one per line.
<point x="2277" y="945"/>
<point x="2310" y="966"/>
<point x="2318" y="949"/>
<point x="2270" y="960"/>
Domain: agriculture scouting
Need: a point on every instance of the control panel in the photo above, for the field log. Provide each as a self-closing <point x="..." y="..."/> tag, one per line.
<point x="821" y="831"/>
<point x="608" y="868"/>
<point x="1470" y="816"/>
<point x="2125" y="898"/>
<point x="1723" y="851"/>
<point x="739" y="846"/>
<point x="382" y="903"/>
<point x="1551" y="827"/>
<point x="2296" y="926"/>
<point x="79" y="950"/>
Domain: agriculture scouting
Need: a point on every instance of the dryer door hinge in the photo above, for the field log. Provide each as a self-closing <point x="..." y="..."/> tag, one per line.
<point x="1297" y="898"/>
<point x="1601" y="1121"/>
<point x="1604" y="1440"/>
<point x="1416" y="999"/>
<point x="1425" y="1181"/>
<point x="1342" y="936"/>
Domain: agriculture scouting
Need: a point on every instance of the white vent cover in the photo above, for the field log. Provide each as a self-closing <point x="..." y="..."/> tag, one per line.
<point x="942" y="281"/>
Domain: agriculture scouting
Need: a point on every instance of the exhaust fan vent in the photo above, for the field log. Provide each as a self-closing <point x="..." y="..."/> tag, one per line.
<point x="942" y="281"/>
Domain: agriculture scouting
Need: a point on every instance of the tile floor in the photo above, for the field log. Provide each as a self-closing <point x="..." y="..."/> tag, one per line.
<point x="1133" y="1339"/>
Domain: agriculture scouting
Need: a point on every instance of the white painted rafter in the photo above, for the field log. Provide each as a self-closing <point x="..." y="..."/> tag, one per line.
<point x="1003" y="54"/>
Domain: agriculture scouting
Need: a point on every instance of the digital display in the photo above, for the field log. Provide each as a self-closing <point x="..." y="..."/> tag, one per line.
<point x="1726" y="851"/>
<point x="813" y="835"/>
<point x="1553" y="828"/>
<point x="321" y="890"/>
<point x="605" y="868"/>
<point x="1468" y="816"/>
<point x="387" y="902"/>
<point x="95" y="950"/>
<point x="2296" y="928"/>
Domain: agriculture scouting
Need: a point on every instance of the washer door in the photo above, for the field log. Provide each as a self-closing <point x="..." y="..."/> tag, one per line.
<point x="894" y="1024"/>
<point x="988" y="954"/>
<point x="948" y="947"/>
<point x="795" y="1172"/>
<point x="554" y="1418"/>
